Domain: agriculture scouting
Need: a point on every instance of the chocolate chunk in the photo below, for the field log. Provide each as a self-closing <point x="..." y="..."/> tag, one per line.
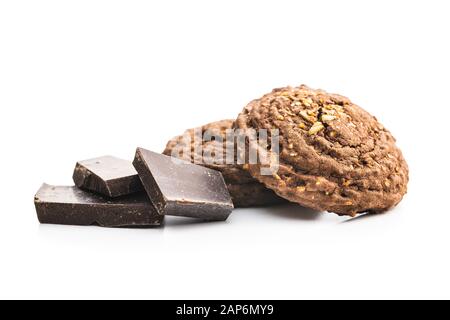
<point x="180" y="188"/>
<point x="108" y="176"/>
<point x="72" y="206"/>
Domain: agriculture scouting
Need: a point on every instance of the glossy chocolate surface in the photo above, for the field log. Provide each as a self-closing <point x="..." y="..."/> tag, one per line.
<point x="73" y="206"/>
<point x="180" y="188"/>
<point x="108" y="176"/>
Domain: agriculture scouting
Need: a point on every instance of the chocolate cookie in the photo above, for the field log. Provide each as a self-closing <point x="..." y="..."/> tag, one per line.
<point x="245" y="190"/>
<point x="334" y="156"/>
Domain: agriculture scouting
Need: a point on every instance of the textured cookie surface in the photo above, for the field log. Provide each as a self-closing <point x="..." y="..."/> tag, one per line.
<point x="245" y="190"/>
<point x="334" y="156"/>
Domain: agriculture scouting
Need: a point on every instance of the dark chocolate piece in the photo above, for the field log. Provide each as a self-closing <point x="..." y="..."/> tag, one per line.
<point x="73" y="206"/>
<point x="179" y="188"/>
<point x="109" y="176"/>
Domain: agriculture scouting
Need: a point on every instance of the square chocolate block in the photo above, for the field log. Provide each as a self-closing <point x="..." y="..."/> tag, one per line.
<point x="181" y="188"/>
<point x="108" y="176"/>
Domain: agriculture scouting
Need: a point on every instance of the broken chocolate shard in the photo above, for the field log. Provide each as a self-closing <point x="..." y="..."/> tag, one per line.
<point x="73" y="206"/>
<point x="181" y="188"/>
<point x="108" y="176"/>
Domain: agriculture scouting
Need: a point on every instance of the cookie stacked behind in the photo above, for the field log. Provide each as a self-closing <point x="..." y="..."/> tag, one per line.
<point x="245" y="190"/>
<point x="334" y="156"/>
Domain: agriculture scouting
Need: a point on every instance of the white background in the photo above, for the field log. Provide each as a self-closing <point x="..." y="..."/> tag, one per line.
<point x="80" y="79"/>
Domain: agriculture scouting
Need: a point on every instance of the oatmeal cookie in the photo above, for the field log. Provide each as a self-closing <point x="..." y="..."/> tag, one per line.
<point x="245" y="190"/>
<point x="334" y="156"/>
